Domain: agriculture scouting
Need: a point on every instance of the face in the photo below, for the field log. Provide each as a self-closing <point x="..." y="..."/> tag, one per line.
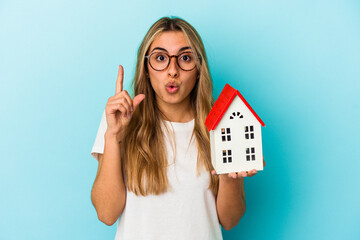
<point x="171" y="85"/>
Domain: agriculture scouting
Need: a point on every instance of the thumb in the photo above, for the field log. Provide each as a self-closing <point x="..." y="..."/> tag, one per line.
<point x="137" y="100"/>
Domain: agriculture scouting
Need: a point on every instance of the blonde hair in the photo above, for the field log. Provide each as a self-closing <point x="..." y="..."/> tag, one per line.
<point x="145" y="161"/>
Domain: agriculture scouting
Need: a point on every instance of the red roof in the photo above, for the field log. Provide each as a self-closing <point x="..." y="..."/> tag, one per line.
<point x="227" y="95"/>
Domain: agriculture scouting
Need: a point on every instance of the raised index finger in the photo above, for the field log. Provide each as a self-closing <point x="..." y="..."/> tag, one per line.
<point x="119" y="81"/>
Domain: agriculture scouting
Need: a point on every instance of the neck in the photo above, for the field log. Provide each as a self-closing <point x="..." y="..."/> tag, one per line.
<point x="180" y="112"/>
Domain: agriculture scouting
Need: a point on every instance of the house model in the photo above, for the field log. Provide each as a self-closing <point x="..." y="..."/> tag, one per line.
<point x="235" y="134"/>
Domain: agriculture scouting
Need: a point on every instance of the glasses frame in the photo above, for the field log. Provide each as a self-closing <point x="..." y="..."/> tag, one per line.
<point x="170" y="57"/>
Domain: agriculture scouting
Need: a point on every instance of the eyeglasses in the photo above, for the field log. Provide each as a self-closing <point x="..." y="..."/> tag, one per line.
<point x="160" y="61"/>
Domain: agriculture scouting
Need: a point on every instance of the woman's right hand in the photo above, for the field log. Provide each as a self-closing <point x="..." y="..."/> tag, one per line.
<point x="120" y="107"/>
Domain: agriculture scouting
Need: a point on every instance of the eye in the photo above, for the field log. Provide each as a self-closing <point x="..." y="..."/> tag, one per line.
<point x="186" y="57"/>
<point x="160" y="57"/>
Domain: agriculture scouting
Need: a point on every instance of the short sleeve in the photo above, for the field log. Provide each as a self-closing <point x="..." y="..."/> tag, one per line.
<point x="99" y="143"/>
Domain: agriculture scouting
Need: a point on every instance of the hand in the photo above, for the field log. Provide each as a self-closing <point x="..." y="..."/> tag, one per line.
<point x="120" y="108"/>
<point x="239" y="175"/>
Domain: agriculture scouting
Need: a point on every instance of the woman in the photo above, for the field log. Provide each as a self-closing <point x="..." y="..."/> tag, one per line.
<point x="154" y="164"/>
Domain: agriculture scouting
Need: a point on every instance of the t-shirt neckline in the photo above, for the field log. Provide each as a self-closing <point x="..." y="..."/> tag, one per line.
<point x="181" y="125"/>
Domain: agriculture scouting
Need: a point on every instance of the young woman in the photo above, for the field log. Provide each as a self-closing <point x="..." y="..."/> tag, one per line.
<point x="154" y="152"/>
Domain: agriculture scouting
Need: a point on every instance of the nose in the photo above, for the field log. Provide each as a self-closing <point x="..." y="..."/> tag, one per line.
<point x="173" y="70"/>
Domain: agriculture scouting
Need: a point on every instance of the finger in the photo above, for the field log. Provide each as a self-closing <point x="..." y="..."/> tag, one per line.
<point x="252" y="173"/>
<point x="264" y="163"/>
<point x="124" y="103"/>
<point x="242" y="174"/>
<point x="117" y="107"/>
<point x="232" y="175"/>
<point x="213" y="172"/>
<point x="119" y="81"/>
<point x="124" y="95"/>
<point x="137" y="100"/>
<point x="129" y="100"/>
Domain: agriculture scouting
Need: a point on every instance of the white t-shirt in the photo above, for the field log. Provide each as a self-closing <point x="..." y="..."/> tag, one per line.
<point x="186" y="211"/>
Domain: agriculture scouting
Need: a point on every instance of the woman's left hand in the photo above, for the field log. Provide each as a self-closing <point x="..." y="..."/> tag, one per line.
<point x="242" y="174"/>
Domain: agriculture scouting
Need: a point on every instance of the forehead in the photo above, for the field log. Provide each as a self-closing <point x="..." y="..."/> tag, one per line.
<point x="172" y="41"/>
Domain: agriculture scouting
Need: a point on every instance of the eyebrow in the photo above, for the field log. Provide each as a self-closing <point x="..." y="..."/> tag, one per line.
<point x="163" y="49"/>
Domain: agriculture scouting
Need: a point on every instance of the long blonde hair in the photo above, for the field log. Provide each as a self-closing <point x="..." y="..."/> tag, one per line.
<point x="145" y="161"/>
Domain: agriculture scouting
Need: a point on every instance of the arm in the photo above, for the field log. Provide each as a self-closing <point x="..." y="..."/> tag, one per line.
<point x="230" y="201"/>
<point x="108" y="194"/>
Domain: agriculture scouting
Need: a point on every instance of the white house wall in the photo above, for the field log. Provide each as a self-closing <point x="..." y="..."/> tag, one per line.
<point x="238" y="143"/>
<point x="213" y="149"/>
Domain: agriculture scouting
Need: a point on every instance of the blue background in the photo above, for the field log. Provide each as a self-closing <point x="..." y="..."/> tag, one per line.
<point x="296" y="62"/>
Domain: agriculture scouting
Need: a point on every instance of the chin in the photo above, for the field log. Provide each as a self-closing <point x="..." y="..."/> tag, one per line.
<point x="172" y="100"/>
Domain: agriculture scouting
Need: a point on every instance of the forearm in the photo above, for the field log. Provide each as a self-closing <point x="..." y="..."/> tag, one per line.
<point x="230" y="202"/>
<point x="108" y="193"/>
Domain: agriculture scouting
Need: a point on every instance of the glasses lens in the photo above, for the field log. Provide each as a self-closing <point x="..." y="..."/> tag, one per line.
<point x="186" y="61"/>
<point x="159" y="60"/>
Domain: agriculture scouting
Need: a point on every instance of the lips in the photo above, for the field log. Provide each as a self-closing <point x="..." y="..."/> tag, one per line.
<point x="172" y="87"/>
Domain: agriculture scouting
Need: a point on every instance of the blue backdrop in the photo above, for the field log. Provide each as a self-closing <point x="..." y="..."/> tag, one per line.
<point x="296" y="62"/>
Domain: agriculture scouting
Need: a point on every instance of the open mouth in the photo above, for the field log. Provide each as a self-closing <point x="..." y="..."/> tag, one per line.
<point x="172" y="88"/>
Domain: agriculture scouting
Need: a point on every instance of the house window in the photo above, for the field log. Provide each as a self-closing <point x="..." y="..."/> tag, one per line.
<point x="250" y="154"/>
<point x="249" y="132"/>
<point x="236" y="115"/>
<point x="227" y="156"/>
<point x="225" y="134"/>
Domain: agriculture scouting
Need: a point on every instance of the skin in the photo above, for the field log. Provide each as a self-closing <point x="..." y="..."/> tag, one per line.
<point x="176" y="106"/>
<point x="230" y="202"/>
<point x="108" y="194"/>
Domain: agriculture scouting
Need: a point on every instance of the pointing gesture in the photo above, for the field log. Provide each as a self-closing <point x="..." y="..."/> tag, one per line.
<point x="119" y="80"/>
<point x="120" y="108"/>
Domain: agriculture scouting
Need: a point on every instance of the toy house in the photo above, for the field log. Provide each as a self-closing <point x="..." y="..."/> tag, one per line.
<point x="235" y="134"/>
